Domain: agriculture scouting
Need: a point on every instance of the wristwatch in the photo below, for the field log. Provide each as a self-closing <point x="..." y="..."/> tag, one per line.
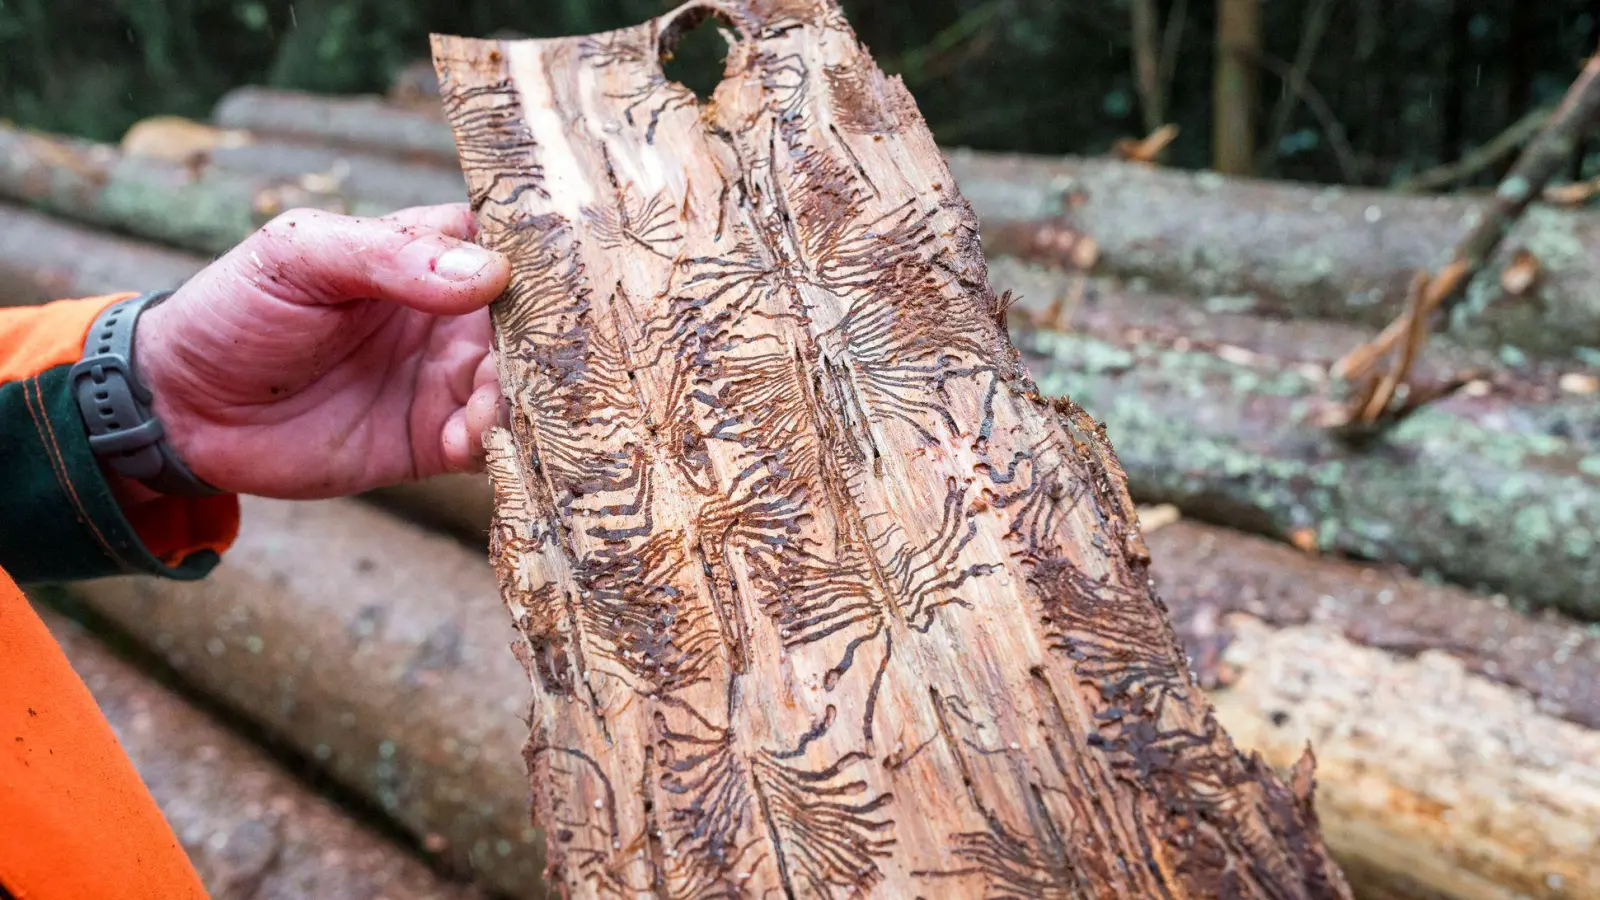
<point x="124" y="431"/>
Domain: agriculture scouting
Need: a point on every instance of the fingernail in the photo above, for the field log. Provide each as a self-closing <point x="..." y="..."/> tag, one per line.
<point x="461" y="263"/>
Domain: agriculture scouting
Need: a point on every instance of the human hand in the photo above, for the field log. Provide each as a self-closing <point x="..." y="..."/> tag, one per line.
<point x="326" y="355"/>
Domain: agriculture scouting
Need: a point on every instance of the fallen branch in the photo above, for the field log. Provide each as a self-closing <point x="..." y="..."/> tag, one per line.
<point x="1548" y="152"/>
<point x="1480" y="159"/>
<point x="1289" y="250"/>
<point x="251" y="829"/>
<point x="1244" y="608"/>
<point x="1217" y="413"/>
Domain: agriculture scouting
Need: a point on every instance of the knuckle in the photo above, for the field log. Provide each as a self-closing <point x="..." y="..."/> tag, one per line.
<point x="289" y="221"/>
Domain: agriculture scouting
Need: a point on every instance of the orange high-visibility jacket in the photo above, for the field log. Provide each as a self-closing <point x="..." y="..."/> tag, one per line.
<point x="76" y="822"/>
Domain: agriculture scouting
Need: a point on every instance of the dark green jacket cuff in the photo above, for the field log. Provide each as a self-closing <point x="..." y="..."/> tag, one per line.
<point x="58" y="518"/>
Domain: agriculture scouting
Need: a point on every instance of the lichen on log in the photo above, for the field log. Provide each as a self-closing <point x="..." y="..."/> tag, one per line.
<point x="1293" y="249"/>
<point x="252" y="831"/>
<point x="819" y="597"/>
<point x="1220" y="415"/>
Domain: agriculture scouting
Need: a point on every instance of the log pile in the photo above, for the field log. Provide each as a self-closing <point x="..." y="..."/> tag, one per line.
<point x="253" y="831"/>
<point x="1456" y="728"/>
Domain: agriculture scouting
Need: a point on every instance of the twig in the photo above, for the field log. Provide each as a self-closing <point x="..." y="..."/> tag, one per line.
<point x="1499" y="147"/>
<point x="1316" y="25"/>
<point x="1148" y="149"/>
<point x="1435" y="298"/>
<point x="1343" y="153"/>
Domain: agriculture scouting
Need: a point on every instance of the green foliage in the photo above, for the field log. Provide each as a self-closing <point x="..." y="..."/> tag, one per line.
<point x="1410" y="82"/>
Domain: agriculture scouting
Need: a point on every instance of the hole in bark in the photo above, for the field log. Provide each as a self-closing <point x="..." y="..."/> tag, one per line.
<point x="694" y="50"/>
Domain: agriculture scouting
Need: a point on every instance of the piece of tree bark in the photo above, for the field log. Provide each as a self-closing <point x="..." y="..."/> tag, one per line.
<point x="1297" y="250"/>
<point x="1219" y="414"/>
<point x="374" y="650"/>
<point x="368" y="122"/>
<point x="203" y="210"/>
<point x="819" y="597"/>
<point x="251" y="829"/>
<point x="1209" y="577"/>
<point x="47" y="259"/>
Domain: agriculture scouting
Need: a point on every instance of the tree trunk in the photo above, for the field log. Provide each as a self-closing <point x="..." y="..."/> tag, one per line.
<point x="1221" y="415"/>
<point x="251" y="829"/>
<point x="819" y="597"/>
<point x="388" y="708"/>
<point x="1237" y="75"/>
<point x="1294" y="250"/>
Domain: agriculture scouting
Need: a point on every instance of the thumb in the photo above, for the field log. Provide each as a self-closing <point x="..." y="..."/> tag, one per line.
<point x="309" y="257"/>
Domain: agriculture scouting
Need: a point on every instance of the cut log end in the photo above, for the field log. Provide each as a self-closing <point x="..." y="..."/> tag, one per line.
<point x="819" y="597"/>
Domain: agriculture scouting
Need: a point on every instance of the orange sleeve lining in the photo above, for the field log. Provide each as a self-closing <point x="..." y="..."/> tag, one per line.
<point x="36" y="338"/>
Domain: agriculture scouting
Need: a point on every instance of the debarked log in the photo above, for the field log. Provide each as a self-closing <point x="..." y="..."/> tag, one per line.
<point x="203" y="209"/>
<point x="1223" y="415"/>
<point x="1295" y="250"/>
<point x="818" y="596"/>
<point x="251" y="829"/>
<point x="1406" y="820"/>
<point x="376" y="651"/>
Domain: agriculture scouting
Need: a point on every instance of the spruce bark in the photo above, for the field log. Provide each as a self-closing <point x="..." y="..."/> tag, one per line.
<point x="819" y="597"/>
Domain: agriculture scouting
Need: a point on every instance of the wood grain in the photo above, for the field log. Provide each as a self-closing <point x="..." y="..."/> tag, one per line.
<point x="820" y="597"/>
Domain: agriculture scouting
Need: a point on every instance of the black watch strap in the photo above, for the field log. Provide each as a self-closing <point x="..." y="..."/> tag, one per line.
<point x="123" y="429"/>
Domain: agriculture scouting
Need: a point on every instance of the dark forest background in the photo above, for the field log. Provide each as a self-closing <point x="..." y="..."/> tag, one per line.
<point x="1367" y="91"/>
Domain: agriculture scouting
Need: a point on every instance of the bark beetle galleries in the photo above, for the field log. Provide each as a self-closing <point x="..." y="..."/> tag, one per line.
<point x="819" y="597"/>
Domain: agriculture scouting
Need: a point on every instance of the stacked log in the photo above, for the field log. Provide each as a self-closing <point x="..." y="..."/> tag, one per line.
<point x="376" y="651"/>
<point x="202" y="209"/>
<point x="251" y="829"/>
<point x="368" y="645"/>
<point x="339" y="122"/>
<point x="1290" y="249"/>
<point x="1286" y="249"/>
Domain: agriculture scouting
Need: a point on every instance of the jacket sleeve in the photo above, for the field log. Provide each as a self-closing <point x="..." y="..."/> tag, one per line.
<point x="59" y="518"/>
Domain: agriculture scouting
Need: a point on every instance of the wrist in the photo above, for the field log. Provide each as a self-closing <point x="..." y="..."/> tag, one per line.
<point x="117" y="402"/>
